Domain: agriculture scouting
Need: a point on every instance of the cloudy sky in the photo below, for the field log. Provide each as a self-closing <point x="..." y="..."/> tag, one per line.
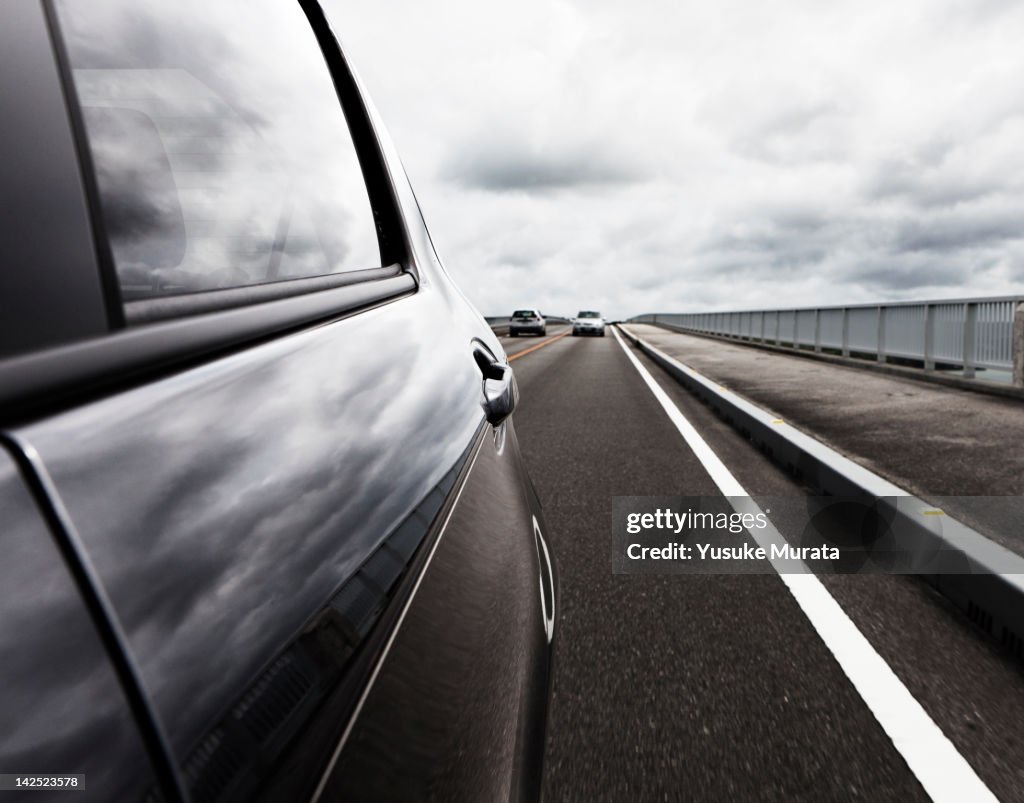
<point x="674" y="156"/>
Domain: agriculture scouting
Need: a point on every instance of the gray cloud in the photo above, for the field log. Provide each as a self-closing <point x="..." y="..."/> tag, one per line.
<point x="952" y="233"/>
<point x="695" y="156"/>
<point x="906" y="275"/>
<point x="956" y="13"/>
<point x="781" y="120"/>
<point x="811" y="132"/>
<point x="516" y="167"/>
<point x="925" y="180"/>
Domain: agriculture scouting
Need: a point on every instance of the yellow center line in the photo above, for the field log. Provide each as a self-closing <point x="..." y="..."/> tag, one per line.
<point x="540" y="345"/>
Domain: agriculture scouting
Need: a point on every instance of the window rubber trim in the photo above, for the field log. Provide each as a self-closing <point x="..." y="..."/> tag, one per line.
<point x="392" y="234"/>
<point x="158" y="308"/>
<point x="109" y="283"/>
<point x="45" y="381"/>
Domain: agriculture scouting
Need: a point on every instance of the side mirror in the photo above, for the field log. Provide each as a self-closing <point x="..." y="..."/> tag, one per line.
<point x="500" y="391"/>
<point x="501" y="394"/>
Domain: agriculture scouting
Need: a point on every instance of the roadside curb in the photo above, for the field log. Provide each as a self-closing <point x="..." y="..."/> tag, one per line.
<point x="991" y="589"/>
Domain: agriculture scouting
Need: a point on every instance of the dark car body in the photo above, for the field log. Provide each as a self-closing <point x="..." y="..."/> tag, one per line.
<point x="262" y="539"/>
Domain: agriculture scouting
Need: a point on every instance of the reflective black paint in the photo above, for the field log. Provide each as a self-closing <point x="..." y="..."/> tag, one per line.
<point x="260" y="516"/>
<point x="50" y="290"/>
<point x="237" y="515"/>
<point x="224" y="505"/>
<point x="60" y="695"/>
<point x="464" y="687"/>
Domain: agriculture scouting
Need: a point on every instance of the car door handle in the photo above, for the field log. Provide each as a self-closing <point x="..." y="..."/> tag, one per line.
<point x="501" y="393"/>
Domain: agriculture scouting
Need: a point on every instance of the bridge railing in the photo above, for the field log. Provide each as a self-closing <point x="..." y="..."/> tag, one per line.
<point x="965" y="334"/>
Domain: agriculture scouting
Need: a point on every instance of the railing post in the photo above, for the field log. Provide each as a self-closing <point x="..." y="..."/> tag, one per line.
<point x="817" y="330"/>
<point x="778" y="328"/>
<point x="1018" y="345"/>
<point x="929" y="337"/>
<point x="846" y="331"/>
<point x="970" y="321"/>
<point x="881" y="333"/>
<point x="762" y="325"/>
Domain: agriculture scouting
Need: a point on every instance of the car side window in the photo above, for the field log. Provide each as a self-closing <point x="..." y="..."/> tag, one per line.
<point x="220" y="149"/>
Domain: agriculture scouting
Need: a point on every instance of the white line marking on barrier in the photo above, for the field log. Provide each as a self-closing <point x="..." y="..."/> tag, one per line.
<point x="931" y="756"/>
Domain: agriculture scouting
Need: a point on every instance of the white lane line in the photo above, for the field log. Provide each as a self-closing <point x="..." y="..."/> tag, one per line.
<point x="935" y="762"/>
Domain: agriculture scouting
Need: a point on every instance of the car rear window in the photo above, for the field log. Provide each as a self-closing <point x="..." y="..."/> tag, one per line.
<point x="220" y="149"/>
<point x="524" y="313"/>
<point x="589" y="314"/>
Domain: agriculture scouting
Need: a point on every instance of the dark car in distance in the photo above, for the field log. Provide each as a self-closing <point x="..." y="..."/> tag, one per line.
<point x="262" y="540"/>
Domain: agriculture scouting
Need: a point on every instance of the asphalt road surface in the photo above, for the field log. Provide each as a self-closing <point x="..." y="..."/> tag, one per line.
<point x="719" y="687"/>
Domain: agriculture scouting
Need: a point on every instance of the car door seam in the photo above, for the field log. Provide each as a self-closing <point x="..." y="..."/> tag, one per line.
<point x="100" y="609"/>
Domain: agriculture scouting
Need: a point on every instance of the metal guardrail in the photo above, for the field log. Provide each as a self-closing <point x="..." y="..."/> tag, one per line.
<point x="968" y="333"/>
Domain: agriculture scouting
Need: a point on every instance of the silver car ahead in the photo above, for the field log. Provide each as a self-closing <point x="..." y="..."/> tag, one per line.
<point x="527" y="322"/>
<point x="588" y="322"/>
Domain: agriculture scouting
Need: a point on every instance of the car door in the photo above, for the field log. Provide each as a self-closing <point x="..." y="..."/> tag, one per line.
<point x="326" y="569"/>
<point x="62" y="693"/>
